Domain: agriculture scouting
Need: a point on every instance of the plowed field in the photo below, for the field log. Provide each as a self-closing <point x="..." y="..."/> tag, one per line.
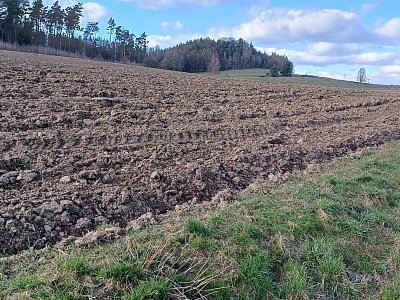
<point x="84" y="143"/>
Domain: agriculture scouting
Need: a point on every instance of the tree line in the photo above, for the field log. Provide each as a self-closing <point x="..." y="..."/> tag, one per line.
<point x="56" y="27"/>
<point x="205" y="54"/>
<point x="25" y="23"/>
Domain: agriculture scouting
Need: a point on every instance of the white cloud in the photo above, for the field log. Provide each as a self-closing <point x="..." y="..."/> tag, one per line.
<point x="319" y="58"/>
<point x="284" y="25"/>
<point x="366" y="8"/>
<point x="94" y="12"/>
<point x="62" y="3"/>
<point x="335" y="71"/>
<point x="304" y="57"/>
<point x="349" y="72"/>
<point x="391" y="70"/>
<point x="374" y="58"/>
<point x="389" y="74"/>
<point x="171" y="25"/>
<point x="391" y="29"/>
<point x="319" y="38"/>
<point x="166" y="41"/>
<point x="160" y="4"/>
<point x="162" y="41"/>
<point x="255" y="9"/>
<point x="333" y="49"/>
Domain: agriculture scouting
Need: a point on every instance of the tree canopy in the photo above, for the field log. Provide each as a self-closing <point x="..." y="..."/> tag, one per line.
<point x="56" y="27"/>
<point x="202" y="55"/>
<point x="25" y="23"/>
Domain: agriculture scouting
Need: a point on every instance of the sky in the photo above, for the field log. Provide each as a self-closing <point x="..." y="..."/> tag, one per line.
<point x="324" y="38"/>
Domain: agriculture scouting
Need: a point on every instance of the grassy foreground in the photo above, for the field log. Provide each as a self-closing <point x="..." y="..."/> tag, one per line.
<point x="332" y="235"/>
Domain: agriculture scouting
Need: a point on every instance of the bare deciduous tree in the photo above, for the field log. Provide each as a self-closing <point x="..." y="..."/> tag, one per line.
<point x="362" y="76"/>
<point x="214" y="65"/>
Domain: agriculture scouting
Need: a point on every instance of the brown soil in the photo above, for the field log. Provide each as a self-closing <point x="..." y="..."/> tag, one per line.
<point x="84" y="143"/>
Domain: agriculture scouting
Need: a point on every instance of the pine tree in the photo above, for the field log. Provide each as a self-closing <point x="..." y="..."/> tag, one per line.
<point x="37" y="13"/>
<point x="72" y="18"/>
<point x="11" y="18"/>
<point x="55" y="24"/>
<point x="111" y="29"/>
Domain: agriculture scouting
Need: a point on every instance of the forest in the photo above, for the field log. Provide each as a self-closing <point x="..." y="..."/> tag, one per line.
<point x="60" y="28"/>
<point x="34" y="24"/>
<point x="207" y="55"/>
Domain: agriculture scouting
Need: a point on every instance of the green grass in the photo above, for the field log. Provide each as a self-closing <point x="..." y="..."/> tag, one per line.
<point x="196" y="227"/>
<point x="23" y="283"/>
<point x="332" y="235"/>
<point x="154" y="289"/>
<point x="260" y="74"/>
<point x="74" y="264"/>
<point x="123" y="272"/>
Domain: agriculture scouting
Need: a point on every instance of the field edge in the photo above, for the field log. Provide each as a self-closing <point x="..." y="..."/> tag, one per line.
<point x="334" y="233"/>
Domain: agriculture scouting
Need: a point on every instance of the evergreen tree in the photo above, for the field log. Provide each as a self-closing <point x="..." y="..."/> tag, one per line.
<point x="55" y="27"/>
<point x="12" y="19"/>
<point x="37" y="15"/>
<point x="197" y="56"/>
<point x="287" y="69"/>
<point x="111" y="29"/>
<point x="72" y="18"/>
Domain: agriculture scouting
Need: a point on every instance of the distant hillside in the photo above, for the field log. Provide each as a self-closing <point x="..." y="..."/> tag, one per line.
<point x="262" y="75"/>
<point x="204" y="55"/>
